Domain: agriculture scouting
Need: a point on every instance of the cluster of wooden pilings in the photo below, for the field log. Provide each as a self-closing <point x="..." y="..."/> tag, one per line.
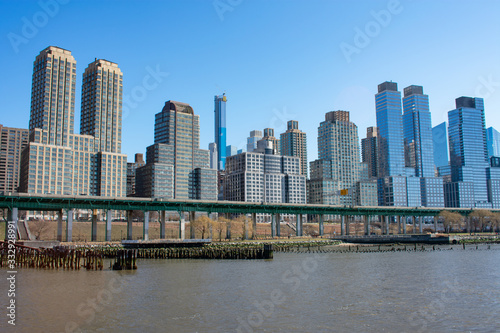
<point x="375" y="248"/>
<point x="52" y="258"/>
<point x="125" y="259"/>
<point x="254" y="252"/>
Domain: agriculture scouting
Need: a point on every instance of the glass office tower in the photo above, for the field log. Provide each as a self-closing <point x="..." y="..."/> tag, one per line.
<point x="468" y="152"/>
<point x="493" y="142"/>
<point x="417" y="132"/>
<point x="390" y="127"/>
<point x="220" y="129"/>
<point x="440" y="144"/>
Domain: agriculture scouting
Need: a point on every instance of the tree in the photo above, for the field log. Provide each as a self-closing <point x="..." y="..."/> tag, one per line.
<point x="450" y="219"/>
<point x="246" y="225"/>
<point x="219" y="226"/>
<point x="38" y="227"/>
<point x="202" y="224"/>
<point x="495" y="222"/>
<point x="477" y="218"/>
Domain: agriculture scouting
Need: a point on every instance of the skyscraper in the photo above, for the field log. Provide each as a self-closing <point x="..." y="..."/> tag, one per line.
<point x="338" y="166"/>
<point x="493" y="142"/>
<point x="417" y="132"/>
<point x="212" y="148"/>
<point x="220" y="129"/>
<point x="101" y="117"/>
<point x="294" y="143"/>
<point x="12" y="142"/>
<point x="390" y="127"/>
<point x="268" y="141"/>
<point x="440" y="142"/>
<point x="175" y="165"/>
<point x="252" y="140"/>
<point x="468" y="151"/>
<point x="58" y="161"/>
<point x="369" y="151"/>
<point x="53" y="95"/>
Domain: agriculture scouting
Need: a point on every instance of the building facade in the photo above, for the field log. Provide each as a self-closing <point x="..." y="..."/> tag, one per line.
<point x="294" y="143"/>
<point x="369" y="151"/>
<point x="220" y="129"/>
<point x="440" y="145"/>
<point x="56" y="160"/>
<point x="252" y="140"/>
<point x="12" y="142"/>
<point x="493" y="142"/>
<point x="334" y="175"/>
<point x="131" y="173"/>
<point x="258" y="177"/>
<point x="172" y="162"/>
<point x="417" y="132"/>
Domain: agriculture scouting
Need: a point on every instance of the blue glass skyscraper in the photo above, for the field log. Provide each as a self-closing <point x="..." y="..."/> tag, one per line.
<point x="220" y="130"/>
<point x="417" y="132"/>
<point x="493" y="142"/>
<point x="440" y="144"/>
<point x="390" y="126"/>
<point x="468" y="152"/>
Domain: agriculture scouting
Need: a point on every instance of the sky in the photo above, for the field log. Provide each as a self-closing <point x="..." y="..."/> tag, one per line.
<point x="276" y="60"/>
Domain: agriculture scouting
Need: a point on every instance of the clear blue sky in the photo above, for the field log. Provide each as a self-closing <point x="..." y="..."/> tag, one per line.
<point x="276" y="60"/>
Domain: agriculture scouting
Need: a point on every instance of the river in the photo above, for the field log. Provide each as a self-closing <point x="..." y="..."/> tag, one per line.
<point x="430" y="291"/>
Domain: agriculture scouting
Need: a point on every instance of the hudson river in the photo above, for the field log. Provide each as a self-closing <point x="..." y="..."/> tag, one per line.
<point x="434" y="291"/>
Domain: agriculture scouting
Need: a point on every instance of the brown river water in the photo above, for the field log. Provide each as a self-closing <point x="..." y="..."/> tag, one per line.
<point x="451" y="290"/>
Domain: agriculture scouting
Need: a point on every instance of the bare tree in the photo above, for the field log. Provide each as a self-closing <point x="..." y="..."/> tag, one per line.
<point x="202" y="225"/>
<point x="450" y="219"/>
<point x="477" y="218"/>
<point x="495" y="222"/>
<point x="38" y="227"/>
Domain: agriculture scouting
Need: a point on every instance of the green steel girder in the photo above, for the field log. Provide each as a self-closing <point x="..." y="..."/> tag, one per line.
<point x="49" y="202"/>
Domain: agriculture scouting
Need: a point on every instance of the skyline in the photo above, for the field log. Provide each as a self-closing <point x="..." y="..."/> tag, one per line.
<point x="298" y="53"/>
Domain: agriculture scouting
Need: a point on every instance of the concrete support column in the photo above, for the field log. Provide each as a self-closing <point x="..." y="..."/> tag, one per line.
<point x="342" y="225"/>
<point x="273" y="225"/>
<point x="69" y="225"/>
<point x="387" y="225"/>
<point x="108" y="225"/>
<point x="346" y="220"/>
<point x="278" y="226"/>
<point x="254" y="225"/>
<point x="404" y="224"/>
<point x="245" y="236"/>
<point x="413" y="220"/>
<point x="420" y="226"/>
<point x="129" y="224"/>
<point x="145" y="226"/>
<point x="162" y="224"/>
<point x="398" y="218"/>
<point x="435" y="224"/>
<point x="182" y="226"/>
<point x="12" y="220"/>
<point x="367" y="224"/>
<point x="60" y="225"/>
<point x="93" y="236"/>
<point x="192" y="231"/>
<point x="321" y="226"/>
<point x="299" y="225"/>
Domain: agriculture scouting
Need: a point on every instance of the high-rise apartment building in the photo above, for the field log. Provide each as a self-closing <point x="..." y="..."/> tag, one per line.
<point x="53" y="95"/>
<point x="417" y="132"/>
<point x="220" y="129"/>
<point x="294" y="143"/>
<point x="56" y="160"/>
<point x="390" y="127"/>
<point x="258" y="177"/>
<point x="268" y="141"/>
<point x="131" y="173"/>
<point x="493" y="142"/>
<point x="468" y="151"/>
<point x="12" y="142"/>
<point x="369" y="151"/>
<point x="102" y="91"/>
<point x="338" y="167"/>
<point x="172" y="161"/>
<point x="440" y="145"/>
